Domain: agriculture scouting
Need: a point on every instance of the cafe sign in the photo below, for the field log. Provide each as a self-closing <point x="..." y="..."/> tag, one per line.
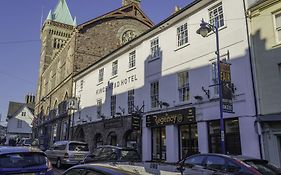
<point x="182" y="116"/>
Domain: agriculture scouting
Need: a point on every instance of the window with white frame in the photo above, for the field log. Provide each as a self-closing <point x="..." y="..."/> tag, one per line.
<point x="278" y="26"/>
<point x="23" y="113"/>
<point x="131" y="101"/>
<point x="113" y="105"/>
<point x="115" y="68"/>
<point x="183" y="86"/>
<point x="101" y="72"/>
<point x="154" y="94"/>
<point x="132" y="59"/>
<point x="182" y="34"/>
<point x="214" y="78"/>
<point x="216" y="14"/>
<point x="81" y="85"/>
<point x="19" y="123"/>
<point x="154" y="48"/>
<point x="99" y="107"/>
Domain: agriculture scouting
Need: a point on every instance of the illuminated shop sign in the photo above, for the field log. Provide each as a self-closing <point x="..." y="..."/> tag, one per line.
<point x="182" y="116"/>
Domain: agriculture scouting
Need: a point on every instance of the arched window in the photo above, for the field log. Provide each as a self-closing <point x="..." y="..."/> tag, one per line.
<point x="66" y="96"/>
<point x="56" y="104"/>
<point x="98" y="140"/>
<point x="112" y="138"/>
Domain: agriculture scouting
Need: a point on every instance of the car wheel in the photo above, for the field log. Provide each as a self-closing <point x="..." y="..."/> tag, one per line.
<point x="58" y="163"/>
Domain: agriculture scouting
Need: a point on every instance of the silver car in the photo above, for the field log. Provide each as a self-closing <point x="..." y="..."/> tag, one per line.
<point x="67" y="152"/>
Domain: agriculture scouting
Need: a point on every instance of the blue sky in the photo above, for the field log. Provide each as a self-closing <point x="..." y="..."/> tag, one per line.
<point x="20" y="37"/>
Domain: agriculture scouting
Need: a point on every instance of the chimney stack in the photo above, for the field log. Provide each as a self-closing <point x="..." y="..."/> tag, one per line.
<point x="29" y="98"/>
<point x="177" y="8"/>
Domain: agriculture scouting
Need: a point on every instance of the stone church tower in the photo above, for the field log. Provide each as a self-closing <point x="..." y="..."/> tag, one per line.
<point x="56" y="30"/>
<point x="67" y="49"/>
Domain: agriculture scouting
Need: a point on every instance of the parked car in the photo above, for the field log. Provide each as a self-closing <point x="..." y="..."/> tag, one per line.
<point x="67" y="152"/>
<point x="234" y="165"/>
<point x="108" y="153"/>
<point x="28" y="142"/>
<point x="24" y="160"/>
<point x="96" y="169"/>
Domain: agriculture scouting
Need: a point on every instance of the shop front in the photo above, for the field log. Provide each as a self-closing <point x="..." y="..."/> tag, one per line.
<point x="173" y="134"/>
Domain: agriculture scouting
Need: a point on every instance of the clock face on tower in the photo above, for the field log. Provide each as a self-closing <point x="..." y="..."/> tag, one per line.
<point x="128" y="36"/>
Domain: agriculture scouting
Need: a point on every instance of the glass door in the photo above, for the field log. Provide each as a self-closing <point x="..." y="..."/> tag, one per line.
<point x="188" y="140"/>
<point x="159" y="144"/>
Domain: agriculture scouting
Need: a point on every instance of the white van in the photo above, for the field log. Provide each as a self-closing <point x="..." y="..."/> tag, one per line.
<point x="67" y="152"/>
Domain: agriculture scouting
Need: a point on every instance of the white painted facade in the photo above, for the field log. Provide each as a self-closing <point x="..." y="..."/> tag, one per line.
<point x="195" y="57"/>
<point x="20" y="124"/>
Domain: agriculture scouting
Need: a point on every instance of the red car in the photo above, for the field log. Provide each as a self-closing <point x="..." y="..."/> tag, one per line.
<point x="231" y="165"/>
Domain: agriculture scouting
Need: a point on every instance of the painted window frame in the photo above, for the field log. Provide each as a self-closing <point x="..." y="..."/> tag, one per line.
<point x="113" y="105"/>
<point x="101" y="75"/>
<point x="132" y="59"/>
<point x="154" y="94"/>
<point x="183" y="86"/>
<point x="182" y="35"/>
<point x="114" y="68"/>
<point x="216" y="13"/>
<point x="154" y="48"/>
<point x="277" y="26"/>
<point x="131" y="101"/>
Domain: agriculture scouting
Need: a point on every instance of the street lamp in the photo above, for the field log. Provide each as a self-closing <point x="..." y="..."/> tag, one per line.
<point x="204" y="29"/>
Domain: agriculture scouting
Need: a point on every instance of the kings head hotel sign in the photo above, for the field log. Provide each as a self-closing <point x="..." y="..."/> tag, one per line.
<point x="182" y="116"/>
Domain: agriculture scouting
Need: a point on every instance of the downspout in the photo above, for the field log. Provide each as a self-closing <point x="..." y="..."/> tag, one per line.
<point x="257" y="124"/>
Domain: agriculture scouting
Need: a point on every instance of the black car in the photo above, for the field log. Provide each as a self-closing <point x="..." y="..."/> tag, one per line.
<point x="232" y="165"/>
<point x="96" y="169"/>
<point x="108" y="153"/>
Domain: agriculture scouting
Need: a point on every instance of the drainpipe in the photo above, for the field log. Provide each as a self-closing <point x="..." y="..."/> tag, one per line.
<point x="253" y="80"/>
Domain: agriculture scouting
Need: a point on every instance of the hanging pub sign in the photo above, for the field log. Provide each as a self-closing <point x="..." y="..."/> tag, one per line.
<point x="182" y="116"/>
<point x="136" y="122"/>
<point x="227" y="103"/>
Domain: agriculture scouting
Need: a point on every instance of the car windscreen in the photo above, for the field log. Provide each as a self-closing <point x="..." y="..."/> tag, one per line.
<point x="127" y="154"/>
<point x="28" y="141"/>
<point x="78" y="147"/>
<point x="22" y="160"/>
<point x="263" y="167"/>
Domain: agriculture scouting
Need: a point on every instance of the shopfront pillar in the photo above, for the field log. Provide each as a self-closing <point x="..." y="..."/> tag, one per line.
<point x="172" y="142"/>
<point x="249" y="137"/>
<point x="146" y="144"/>
<point x="203" y="137"/>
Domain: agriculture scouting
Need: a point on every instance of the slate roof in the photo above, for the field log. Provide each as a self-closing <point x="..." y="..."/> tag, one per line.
<point x="15" y="106"/>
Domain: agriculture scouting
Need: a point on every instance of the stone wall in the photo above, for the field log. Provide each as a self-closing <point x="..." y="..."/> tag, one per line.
<point x="101" y="38"/>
